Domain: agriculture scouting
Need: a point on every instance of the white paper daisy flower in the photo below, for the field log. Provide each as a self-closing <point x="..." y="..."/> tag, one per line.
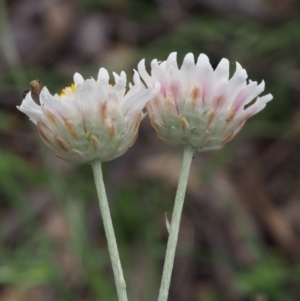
<point x="91" y="119"/>
<point x="200" y="106"/>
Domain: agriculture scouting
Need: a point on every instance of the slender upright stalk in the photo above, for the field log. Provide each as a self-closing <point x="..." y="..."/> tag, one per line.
<point x="174" y="229"/>
<point x="109" y="231"/>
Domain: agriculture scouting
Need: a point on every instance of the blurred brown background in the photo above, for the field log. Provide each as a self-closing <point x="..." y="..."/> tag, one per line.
<point x="240" y="233"/>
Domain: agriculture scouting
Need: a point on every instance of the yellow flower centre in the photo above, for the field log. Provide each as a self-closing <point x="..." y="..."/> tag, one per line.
<point x="73" y="89"/>
<point x="63" y="91"/>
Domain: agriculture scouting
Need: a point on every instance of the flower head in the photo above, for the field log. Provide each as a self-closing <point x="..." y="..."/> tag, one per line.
<point x="91" y="119"/>
<point x="200" y="106"/>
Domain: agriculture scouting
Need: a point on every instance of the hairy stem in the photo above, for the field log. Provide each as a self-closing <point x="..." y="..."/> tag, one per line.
<point x="174" y="229"/>
<point x="109" y="231"/>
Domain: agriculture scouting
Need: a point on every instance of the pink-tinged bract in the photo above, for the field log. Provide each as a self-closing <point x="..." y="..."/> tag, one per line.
<point x="200" y="106"/>
<point x="91" y="119"/>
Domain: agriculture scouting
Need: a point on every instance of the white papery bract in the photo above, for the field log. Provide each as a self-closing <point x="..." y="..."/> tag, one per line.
<point x="200" y="106"/>
<point x="91" y="119"/>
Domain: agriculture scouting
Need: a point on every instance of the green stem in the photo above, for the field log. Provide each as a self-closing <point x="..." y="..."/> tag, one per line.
<point x="174" y="229"/>
<point x="109" y="231"/>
